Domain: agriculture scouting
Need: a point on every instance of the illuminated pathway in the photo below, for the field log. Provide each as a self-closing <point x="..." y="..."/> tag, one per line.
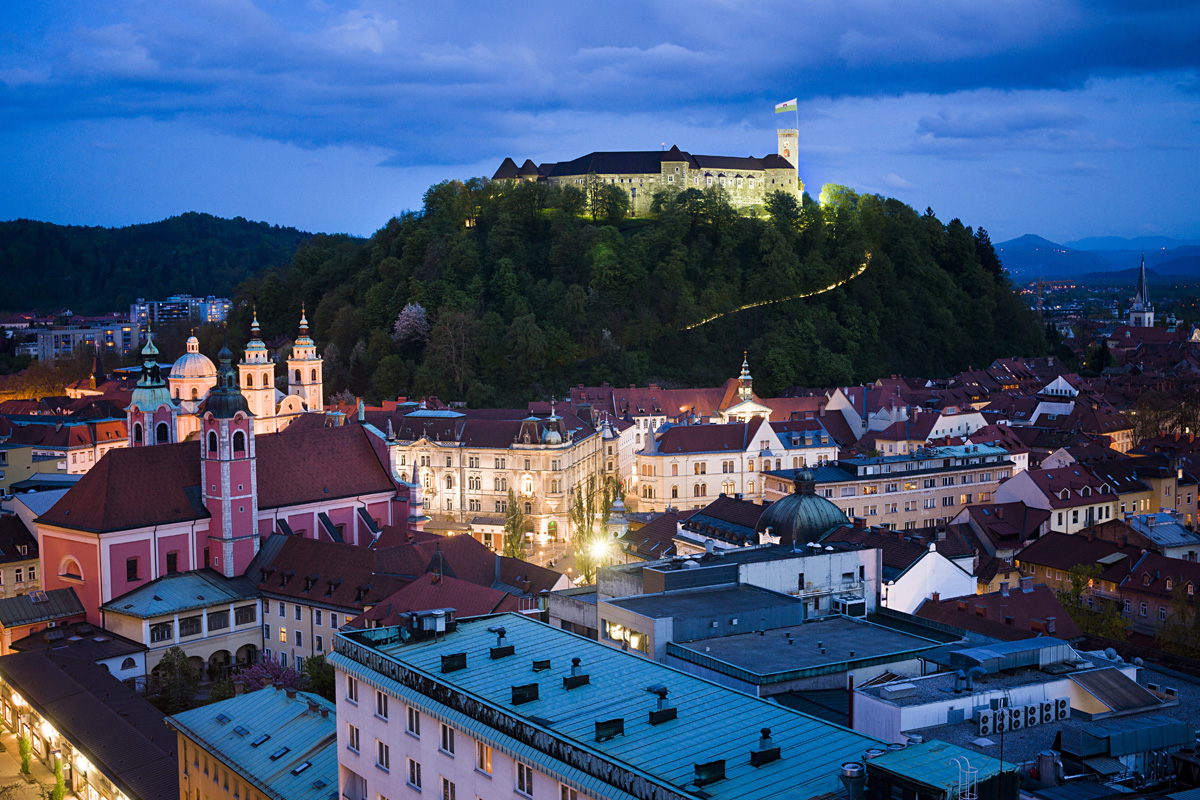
<point x="862" y="268"/>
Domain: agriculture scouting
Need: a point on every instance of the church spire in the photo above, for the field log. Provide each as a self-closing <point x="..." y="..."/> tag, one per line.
<point x="1142" y="295"/>
<point x="745" y="382"/>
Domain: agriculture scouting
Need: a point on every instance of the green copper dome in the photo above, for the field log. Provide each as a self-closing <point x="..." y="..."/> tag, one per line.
<point x="801" y="517"/>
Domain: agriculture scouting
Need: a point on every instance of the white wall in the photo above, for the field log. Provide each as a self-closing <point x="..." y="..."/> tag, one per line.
<point x="932" y="573"/>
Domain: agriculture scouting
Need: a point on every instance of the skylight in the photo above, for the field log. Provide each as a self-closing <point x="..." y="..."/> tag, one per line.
<point x="301" y="767"/>
<point x="241" y="730"/>
<point x="280" y="753"/>
<point x="223" y="718"/>
<point x="260" y="740"/>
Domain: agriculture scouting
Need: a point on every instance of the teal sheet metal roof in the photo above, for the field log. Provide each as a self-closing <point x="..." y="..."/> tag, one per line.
<point x="183" y="591"/>
<point x="713" y="722"/>
<point x="229" y="729"/>
<point x="932" y="764"/>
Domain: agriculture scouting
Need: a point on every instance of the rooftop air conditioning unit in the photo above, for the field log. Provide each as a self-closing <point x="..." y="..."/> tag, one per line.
<point x="1016" y="719"/>
<point x="985" y="720"/>
<point x="1047" y="710"/>
<point x="1062" y="708"/>
<point x="1031" y="716"/>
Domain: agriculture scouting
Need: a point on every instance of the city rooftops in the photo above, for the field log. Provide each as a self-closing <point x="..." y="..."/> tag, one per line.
<point x="569" y="731"/>
<point x="283" y="742"/>
<point x="704" y="601"/>
<point x="833" y="644"/>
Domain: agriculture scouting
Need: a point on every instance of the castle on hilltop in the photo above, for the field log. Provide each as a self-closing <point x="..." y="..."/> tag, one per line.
<point x="641" y="173"/>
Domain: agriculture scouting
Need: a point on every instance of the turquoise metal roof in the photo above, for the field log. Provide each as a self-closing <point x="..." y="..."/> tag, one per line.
<point x="713" y="722"/>
<point x="183" y="591"/>
<point x="229" y="729"/>
<point x="933" y="764"/>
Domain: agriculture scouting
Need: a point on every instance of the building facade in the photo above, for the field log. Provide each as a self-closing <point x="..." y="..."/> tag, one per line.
<point x="905" y="491"/>
<point x="122" y="338"/>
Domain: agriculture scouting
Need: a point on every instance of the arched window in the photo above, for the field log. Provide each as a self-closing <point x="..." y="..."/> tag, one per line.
<point x="128" y="663"/>
<point x="212" y="442"/>
<point x="137" y="433"/>
<point x="239" y="442"/>
<point x="449" y="481"/>
<point x="696" y="490"/>
<point x="249" y="379"/>
<point x="161" y="433"/>
<point x="195" y="393"/>
<point x="176" y="392"/>
<point x="69" y="568"/>
<point x="674" y="492"/>
<point x="529" y="508"/>
<point x="298" y="378"/>
<point x="314" y="376"/>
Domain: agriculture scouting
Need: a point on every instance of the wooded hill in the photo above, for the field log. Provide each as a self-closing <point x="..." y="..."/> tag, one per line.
<point x="92" y="270"/>
<point x="500" y="293"/>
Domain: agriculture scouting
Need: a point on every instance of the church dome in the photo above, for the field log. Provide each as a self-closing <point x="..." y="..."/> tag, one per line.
<point x="193" y="365"/>
<point x="801" y="517"/>
<point x="151" y="390"/>
<point x="551" y="435"/>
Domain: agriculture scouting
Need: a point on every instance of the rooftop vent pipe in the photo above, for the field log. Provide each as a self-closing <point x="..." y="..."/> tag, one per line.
<point x="971" y="673"/>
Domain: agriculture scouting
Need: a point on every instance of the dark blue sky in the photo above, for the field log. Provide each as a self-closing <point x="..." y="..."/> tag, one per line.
<point x="1059" y="118"/>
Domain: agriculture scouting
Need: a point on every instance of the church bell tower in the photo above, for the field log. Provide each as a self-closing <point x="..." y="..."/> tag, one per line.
<point x="256" y="374"/>
<point x="229" y="477"/>
<point x="305" y="369"/>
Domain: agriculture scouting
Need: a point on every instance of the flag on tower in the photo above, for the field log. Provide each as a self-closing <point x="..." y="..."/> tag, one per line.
<point x="790" y="105"/>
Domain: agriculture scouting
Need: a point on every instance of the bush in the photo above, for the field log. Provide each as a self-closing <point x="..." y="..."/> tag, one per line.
<point x="26" y="749"/>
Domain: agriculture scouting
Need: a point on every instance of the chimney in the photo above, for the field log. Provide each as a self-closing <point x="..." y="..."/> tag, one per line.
<point x="314" y="706"/>
<point x="239" y="687"/>
<point x="324" y="713"/>
<point x="1004" y="588"/>
<point x="936" y="597"/>
<point x="980" y="610"/>
<point x="1027" y="584"/>
<point x="291" y="694"/>
<point x="1050" y="624"/>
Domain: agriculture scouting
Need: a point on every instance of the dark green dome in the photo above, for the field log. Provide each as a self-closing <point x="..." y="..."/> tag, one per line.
<point x="802" y="517"/>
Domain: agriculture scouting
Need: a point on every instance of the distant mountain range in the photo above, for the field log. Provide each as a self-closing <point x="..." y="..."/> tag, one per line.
<point x="1108" y="259"/>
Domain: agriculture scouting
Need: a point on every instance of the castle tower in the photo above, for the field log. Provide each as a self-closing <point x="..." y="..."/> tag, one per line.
<point x="787" y="145"/>
<point x="745" y="382"/>
<point x="229" y="483"/>
<point x="1141" y="313"/>
<point x="256" y="374"/>
<point x="305" y="370"/>
<point x="151" y="416"/>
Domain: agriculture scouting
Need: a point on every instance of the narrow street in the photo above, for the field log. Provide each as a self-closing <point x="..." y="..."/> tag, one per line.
<point x="10" y="772"/>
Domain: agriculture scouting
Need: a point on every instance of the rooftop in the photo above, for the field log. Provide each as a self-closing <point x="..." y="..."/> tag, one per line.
<point x="39" y="606"/>
<point x="818" y="647"/>
<point x="82" y="640"/>
<point x="708" y="600"/>
<point x="712" y="723"/>
<point x="298" y="758"/>
<point x="182" y="591"/>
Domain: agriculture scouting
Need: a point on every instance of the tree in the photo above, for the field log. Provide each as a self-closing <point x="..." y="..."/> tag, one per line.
<point x="514" y="528"/>
<point x="25" y="748"/>
<point x="412" y="325"/>
<point x="451" y="346"/>
<point x="321" y="676"/>
<point x="223" y="689"/>
<point x="1100" y="357"/>
<point x="1102" y="618"/>
<point x="176" y="682"/>
<point x="60" y="785"/>
<point x="583" y="533"/>
<point x="270" y="673"/>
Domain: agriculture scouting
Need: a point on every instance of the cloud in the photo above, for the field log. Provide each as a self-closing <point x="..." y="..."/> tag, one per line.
<point x="986" y="125"/>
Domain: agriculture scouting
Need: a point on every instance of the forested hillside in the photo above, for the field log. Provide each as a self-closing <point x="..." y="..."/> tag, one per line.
<point x="498" y="294"/>
<point x="93" y="270"/>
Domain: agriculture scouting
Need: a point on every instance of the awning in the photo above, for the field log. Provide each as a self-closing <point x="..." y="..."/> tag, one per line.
<point x="1104" y="765"/>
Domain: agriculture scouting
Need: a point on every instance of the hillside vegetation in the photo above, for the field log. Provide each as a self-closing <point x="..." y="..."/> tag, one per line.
<point x="92" y="270"/>
<point x="498" y="294"/>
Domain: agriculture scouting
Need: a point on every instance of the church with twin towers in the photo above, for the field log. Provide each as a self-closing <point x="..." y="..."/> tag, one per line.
<point x="642" y="173"/>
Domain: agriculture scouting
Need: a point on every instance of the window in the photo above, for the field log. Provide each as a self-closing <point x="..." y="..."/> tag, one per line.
<point x="19" y="574"/>
<point x="172" y="562"/>
<point x="218" y="620"/>
<point x="282" y="635"/>
<point x="131" y="569"/>
<point x="351" y="690"/>
<point x="266" y="632"/>
<point x="332" y="620"/>
<point x="1143" y="609"/>
<point x="316" y="616"/>
<point x="447" y="789"/>
<point x="414" y="722"/>
<point x="1162" y="613"/>
<point x="381" y="704"/>
<point x="414" y="774"/>
<point x="320" y="644"/>
<point x="700" y="469"/>
<point x="524" y="779"/>
<point x="483" y="758"/>
<point x="283" y="609"/>
<point x="447" y="739"/>
<point x="239" y="442"/>
<point x="299" y="638"/>
<point x="567" y="793"/>
<point x="352" y="737"/>
<point x="243" y="615"/>
<point x="162" y="631"/>
<point x="383" y="757"/>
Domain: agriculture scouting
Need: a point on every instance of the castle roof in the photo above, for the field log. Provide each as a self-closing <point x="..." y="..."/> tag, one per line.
<point x="136" y="487"/>
<point x="508" y="169"/>
<point x="633" y="162"/>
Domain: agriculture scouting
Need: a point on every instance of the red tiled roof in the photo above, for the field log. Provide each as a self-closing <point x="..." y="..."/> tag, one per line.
<point x="1007" y="524"/>
<point x="322" y="572"/>
<point x="656" y="539"/>
<point x="1064" y="486"/>
<point x="1152" y="573"/>
<point x="731" y="437"/>
<point x="898" y="552"/>
<point x="141" y="486"/>
<point x="14" y="536"/>
<point x="1010" y="617"/>
<point x="1064" y="552"/>
<point x="431" y="591"/>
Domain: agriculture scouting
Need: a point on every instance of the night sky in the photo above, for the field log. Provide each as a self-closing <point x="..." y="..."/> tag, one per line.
<point x="1036" y="116"/>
